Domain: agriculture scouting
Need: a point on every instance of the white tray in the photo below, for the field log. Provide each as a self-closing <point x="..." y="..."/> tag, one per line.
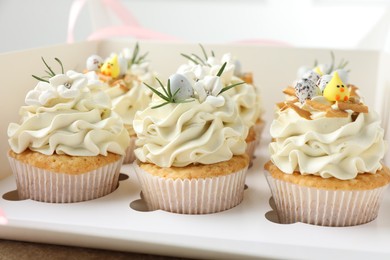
<point x="243" y="231"/>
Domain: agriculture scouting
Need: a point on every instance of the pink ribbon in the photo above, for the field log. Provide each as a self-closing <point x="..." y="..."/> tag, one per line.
<point x="3" y="219"/>
<point x="130" y="25"/>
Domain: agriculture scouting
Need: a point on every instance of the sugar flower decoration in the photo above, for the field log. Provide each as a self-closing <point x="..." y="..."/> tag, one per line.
<point x="62" y="87"/>
<point x="209" y="89"/>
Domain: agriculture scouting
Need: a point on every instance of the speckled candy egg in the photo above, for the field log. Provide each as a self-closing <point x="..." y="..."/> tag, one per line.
<point x="324" y="81"/>
<point x="306" y="89"/>
<point x="180" y="83"/>
<point x="311" y="75"/>
<point x="94" y="62"/>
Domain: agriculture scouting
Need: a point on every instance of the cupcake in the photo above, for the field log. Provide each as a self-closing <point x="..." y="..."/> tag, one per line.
<point x="123" y="74"/>
<point x="191" y="147"/>
<point x="326" y="153"/>
<point x="69" y="145"/>
<point x="246" y="96"/>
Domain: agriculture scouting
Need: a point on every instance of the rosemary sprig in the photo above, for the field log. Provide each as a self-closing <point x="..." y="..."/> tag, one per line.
<point x="227" y="87"/>
<point x="197" y="59"/>
<point x="50" y="73"/>
<point x="167" y="95"/>
<point x="230" y="86"/>
<point x="221" y="69"/>
<point x="136" y="58"/>
<point x="343" y="63"/>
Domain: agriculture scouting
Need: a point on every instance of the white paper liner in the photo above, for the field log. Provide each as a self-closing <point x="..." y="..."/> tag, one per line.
<point x="192" y="196"/>
<point x="130" y="155"/>
<point x="47" y="186"/>
<point x="337" y="208"/>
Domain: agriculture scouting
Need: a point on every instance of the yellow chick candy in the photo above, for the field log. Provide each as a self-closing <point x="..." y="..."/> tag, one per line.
<point x="335" y="90"/>
<point x="111" y="67"/>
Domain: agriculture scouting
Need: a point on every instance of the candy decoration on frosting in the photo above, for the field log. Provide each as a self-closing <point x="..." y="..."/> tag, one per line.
<point x="324" y="69"/>
<point x="336" y="90"/>
<point x="318" y="71"/>
<point x="111" y="67"/>
<point x="177" y="83"/>
<point x="167" y="94"/>
<point x="50" y="72"/>
<point x="94" y="63"/>
<point x="324" y="80"/>
<point x="306" y="88"/>
<point x="312" y="75"/>
<point x="181" y="86"/>
<point x="343" y="74"/>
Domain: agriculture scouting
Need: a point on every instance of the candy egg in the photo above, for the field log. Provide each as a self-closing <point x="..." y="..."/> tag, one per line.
<point x="336" y="90"/>
<point x="181" y="84"/>
<point x="122" y="65"/>
<point x="306" y="89"/>
<point x="343" y="74"/>
<point x="323" y="68"/>
<point x="94" y="62"/>
<point x="324" y="81"/>
<point x="311" y="75"/>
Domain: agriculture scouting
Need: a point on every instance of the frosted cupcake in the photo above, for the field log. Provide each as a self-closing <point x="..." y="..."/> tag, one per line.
<point x="69" y="146"/>
<point x="124" y="74"/>
<point x="246" y="96"/>
<point x="191" y="148"/>
<point x="326" y="154"/>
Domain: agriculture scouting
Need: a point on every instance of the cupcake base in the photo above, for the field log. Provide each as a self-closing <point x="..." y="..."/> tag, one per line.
<point x="193" y="195"/>
<point x="48" y="186"/>
<point x="325" y="206"/>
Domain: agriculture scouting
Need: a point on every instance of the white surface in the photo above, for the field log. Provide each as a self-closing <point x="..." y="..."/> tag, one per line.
<point x="243" y="231"/>
<point x="110" y="223"/>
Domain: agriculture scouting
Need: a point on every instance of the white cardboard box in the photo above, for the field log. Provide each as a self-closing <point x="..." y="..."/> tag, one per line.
<point x="247" y="230"/>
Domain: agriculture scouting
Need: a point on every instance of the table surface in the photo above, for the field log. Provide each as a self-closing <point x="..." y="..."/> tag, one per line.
<point x="10" y="250"/>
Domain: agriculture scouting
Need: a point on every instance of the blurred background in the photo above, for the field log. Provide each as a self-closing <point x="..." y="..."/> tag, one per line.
<point x="333" y="24"/>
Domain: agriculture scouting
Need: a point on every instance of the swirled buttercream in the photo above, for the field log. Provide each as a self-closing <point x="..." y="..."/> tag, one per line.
<point x="186" y="133"/>
<point x="127" y="92"/>
<point x="326" y="146"/>
<point x="64" y="117"/>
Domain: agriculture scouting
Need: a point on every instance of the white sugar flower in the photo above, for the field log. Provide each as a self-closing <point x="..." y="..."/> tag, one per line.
<point x="70" y="84"/>
<point x="208" y="90"/>
<point x="41" y="94"/>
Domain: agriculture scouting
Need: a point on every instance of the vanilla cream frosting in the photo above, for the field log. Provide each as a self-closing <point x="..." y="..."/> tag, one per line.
<point x="326" y="146"/>
<point x="126" y="102"/>
<point x="179" y="134"/>
<point x="64" y="117"/>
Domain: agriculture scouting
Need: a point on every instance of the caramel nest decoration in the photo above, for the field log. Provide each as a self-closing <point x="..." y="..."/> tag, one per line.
<point x="353" y="104"/>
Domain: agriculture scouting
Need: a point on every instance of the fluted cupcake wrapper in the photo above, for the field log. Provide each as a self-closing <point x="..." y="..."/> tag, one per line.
<point x="130" y="155"/>
<point x="338" y="208"/>
<point x="192" y="196"/>
<point x="47" y="186"/>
